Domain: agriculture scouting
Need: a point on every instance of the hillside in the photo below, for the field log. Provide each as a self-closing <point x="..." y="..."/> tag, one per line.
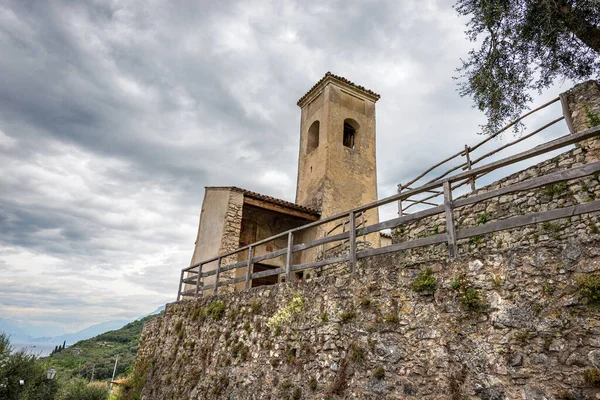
<point x="98" y="353"/>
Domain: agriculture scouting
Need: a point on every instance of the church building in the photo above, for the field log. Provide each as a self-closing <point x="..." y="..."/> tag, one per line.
<point x="337" y="171"/>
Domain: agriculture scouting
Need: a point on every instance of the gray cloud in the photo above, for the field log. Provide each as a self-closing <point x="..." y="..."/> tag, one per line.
<point x="114" y="115"/>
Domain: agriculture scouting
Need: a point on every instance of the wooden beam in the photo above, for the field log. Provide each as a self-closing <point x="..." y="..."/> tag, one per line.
<point x="566" y="112"/>
<point x="279" y="208"/>
<point x="269" y="272"/>
<point x="180" y="284"/>
<point x="574" y="173"/>
<point x="199" y="273"/>
<point x="450" y="228"/>
<point x="440" y="238"/>
<point x="529" y="219"/>
<point x="288" y="258"/>
<point x="216" y="285"/>
<point x="249" y="268"/>
<point x="352" y="230"/>
<point x="300" y="267"/>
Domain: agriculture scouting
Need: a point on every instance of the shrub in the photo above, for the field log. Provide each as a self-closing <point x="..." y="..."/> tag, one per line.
<point x="469" y="297"/>
<point x="324" y="317"/>
<point x="471" y="300"/>
<point x="589" y="288"/>
<point x="391" y="318"/>
<point x="591" y="377"/>
<point x="178" y="325"/>
<point x="312" y="383"/>
<point x="424" y="282"/>
<point x="365" y="302"/>
<point x="379" y="373"/>
<point x="79" y="389"/>
<point x="357" y="355"/>
<point x="255" y="307"/>
<point x="216" y="310"/>
<point x="556" y="189"/>
<point x="346" y="316"/>
<point x="297" y="394"/>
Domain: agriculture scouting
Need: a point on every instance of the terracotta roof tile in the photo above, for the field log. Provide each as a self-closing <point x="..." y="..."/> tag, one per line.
<point x="341" y="79"/>
<point x="269" y="199"/>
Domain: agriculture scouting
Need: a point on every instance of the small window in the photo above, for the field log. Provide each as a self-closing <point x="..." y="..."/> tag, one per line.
<point x="313" y="136"/>
<point x="350" y="128"/>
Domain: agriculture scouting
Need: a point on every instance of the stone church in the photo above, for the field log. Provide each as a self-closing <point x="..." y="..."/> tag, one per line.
<point x="336" y="172"/>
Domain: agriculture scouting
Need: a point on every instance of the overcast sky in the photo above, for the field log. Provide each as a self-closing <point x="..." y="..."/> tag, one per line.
<point x="114" y="115"/>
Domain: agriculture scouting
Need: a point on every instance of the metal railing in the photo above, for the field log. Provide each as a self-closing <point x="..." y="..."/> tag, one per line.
<point x="451" y="236"/>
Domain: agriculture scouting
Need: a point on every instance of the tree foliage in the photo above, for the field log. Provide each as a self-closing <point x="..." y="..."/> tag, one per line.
<point x="525" y="45"/>
<point x="20" y="366"/>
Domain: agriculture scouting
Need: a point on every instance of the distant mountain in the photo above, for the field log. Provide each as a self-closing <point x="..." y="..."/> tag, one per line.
<point x="31" y="334"/>
<point x="86" y="333"/>
<point x="157" y="311"/>
<point x="13" y="330"/>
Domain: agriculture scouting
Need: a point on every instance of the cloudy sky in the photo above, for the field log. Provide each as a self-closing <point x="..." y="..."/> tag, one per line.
<point x="114" y="115"/>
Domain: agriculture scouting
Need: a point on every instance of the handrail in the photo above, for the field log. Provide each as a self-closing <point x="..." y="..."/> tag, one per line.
<point x="447" y="208"/>
<point x="470" y="149"/>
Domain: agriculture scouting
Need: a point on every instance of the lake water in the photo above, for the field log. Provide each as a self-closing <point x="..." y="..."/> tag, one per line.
<point x="39" y="349"/>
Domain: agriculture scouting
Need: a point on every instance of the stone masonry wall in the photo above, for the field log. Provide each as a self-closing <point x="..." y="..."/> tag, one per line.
<point x="510" y="324"/>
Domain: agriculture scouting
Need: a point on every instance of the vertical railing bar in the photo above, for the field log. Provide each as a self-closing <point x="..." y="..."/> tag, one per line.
<point x="362" y="223"/>
<point x="450" y="228"/>
<point x="217" y="275"/>
<point x="400" y="210"/>
<point x="288" y="257"/>
<point x="249" y="267"/>
<point x="198" y="278"/>
<point x="469" y="166"/>
<point x="352" y="257"/>
<point x="180" y="284"/>
<point x="566" y="113"/>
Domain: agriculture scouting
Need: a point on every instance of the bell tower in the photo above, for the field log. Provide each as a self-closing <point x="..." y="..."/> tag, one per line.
<point x="336" y="166"/>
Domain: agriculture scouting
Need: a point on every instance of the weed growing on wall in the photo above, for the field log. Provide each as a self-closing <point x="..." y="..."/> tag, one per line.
<point x="469" y="297"/>
<point x="589" y="289"/>
<point x="593" y="118"/>
<point x="424" y="282"/>
<point x="284" y="315"/>
<point x="216" y="310"/>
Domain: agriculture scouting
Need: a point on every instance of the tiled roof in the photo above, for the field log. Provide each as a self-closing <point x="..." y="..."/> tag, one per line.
<point x="269" y="199"/>
<point x="329" y="75"/>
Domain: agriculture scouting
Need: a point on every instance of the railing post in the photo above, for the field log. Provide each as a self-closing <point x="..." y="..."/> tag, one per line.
<point x="362" y="225"/>
<point x="288" y="257"/>
<point x="180" y="284"/>
<point x="352" y="258"/>
<point x="198" y="278"/>
<point x="400" y="213"/>
<point x="450" y="228"/>
<point x="217" y="275"/>
<point x="249" y="267"/>
<point x="469" y="167"/>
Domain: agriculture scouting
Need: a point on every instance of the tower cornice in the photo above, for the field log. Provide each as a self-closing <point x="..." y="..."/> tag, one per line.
<point x="357" y="90"/>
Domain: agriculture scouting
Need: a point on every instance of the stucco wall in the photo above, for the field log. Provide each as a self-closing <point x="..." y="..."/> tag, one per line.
<point x="333" y="178"/>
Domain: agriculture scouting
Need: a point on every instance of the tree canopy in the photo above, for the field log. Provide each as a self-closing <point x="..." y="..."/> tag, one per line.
<point x="525" y="45"/>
